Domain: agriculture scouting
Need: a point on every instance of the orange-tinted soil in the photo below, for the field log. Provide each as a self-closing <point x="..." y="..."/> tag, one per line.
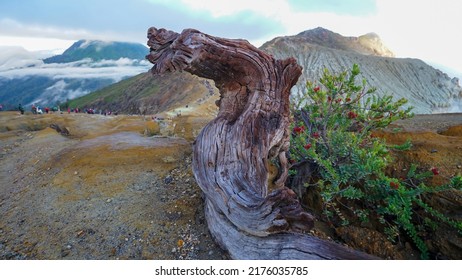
<point x="121" y="187"/>
<point x="117" y="187"/>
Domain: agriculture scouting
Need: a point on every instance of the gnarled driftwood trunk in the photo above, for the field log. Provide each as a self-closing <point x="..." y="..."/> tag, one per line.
<point x="233" y="152"/>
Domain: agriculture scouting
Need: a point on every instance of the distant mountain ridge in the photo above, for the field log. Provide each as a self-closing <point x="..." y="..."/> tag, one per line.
<point x="84" y="67"/>
<point x="99" y="50"/>
<point x="427" y="89"/>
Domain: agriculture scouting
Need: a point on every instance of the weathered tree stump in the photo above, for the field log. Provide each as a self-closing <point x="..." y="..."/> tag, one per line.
<point x="233" y="152"/>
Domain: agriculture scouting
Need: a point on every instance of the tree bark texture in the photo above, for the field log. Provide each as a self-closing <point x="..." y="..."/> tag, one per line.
<point x="232" y="154"/>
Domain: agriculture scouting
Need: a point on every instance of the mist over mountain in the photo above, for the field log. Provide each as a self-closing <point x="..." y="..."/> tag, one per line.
<point x="45" y="90"/>
<point x="28" y="78"/>
<point x="17" y="57"/>
<point x="99" y="50"/>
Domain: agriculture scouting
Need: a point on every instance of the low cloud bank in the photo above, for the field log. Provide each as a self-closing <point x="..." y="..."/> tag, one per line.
<point x="58" y="92"/>
<point x="25" y="78"/>
<point x="16" y="63"/>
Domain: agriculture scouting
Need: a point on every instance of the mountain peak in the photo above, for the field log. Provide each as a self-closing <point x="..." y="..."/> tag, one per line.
<point x="371" y="35"/>
<point x="368" y="44"/>
<point x="427" y="89"/>
<point x="96" y="44"/>
<point x="99" y="50"/>
<point x="318" y="32"/>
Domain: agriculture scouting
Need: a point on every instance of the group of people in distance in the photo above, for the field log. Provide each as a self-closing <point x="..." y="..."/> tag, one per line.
<point x="39" y="110"/>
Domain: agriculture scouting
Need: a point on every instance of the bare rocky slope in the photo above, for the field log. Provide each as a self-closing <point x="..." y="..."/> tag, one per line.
<point x="427" y="89"/>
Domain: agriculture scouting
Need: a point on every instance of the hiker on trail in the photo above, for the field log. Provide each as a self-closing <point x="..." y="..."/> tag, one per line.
<point x="34" y="109"/>
<point x="1" y="107"/>
<point x="21" y="109"/>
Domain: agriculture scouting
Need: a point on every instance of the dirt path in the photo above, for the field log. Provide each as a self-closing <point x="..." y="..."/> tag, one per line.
<point x="105" y="192"/>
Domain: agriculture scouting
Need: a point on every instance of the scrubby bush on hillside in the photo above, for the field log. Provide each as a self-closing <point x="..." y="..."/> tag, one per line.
<point x="333" y="135"/>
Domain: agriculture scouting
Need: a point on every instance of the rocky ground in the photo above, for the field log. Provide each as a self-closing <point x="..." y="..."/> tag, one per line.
<point x="121" y="187"/>
<point x="116" y="187"/>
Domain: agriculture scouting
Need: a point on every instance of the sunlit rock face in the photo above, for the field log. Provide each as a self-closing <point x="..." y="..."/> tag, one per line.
<point x="427" y="89"/>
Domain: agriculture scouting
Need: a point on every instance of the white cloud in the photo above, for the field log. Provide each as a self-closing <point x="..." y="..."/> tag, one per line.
<point x="422" y="29"/>
<point x="428" y="30"/>
<point x="83" y="69"/>
<point x="24" y="64"/>
<point x="44" y="47"/>
<point x="99" y="45"/>
<point x="43" y="37"/>
<point x="231" y="7"/>
<point x="17" y="57"/>
<point x="58" y="92"/>
<point x="13" y="28"/>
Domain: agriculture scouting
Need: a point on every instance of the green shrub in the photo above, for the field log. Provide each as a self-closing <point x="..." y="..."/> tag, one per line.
<point x="332" y="129"/>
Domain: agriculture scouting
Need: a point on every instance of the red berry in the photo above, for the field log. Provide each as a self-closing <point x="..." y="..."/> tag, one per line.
<point x="435" y="171"/>
<point x="315" y="135"/>
<point x="299" y="129"/>
<point x="394" y="185"/>
<point x="307" y="146"/>
<point x="352" y="115"/>
<point x="316" y="89"/>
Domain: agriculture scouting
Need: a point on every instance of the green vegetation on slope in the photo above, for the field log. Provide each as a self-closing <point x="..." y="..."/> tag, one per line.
<point x="148" y="94"/>
<point x="114" y="93"/>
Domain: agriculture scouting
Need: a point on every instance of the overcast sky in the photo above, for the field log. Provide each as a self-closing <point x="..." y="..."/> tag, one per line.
<point x="425" y="29"/>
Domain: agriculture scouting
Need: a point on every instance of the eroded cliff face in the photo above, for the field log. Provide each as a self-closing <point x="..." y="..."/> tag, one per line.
<point x="428" y="90"/>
